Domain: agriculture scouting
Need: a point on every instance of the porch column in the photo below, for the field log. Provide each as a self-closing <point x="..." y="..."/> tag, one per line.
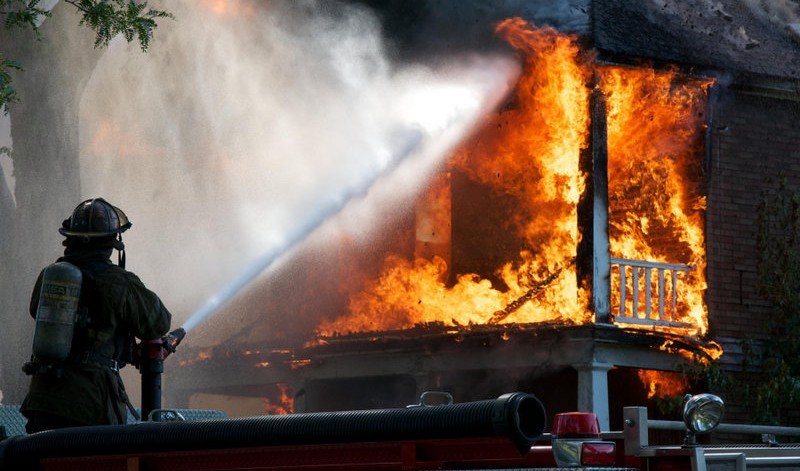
<point x="299" y="398"/>
<point x="593" y="390"/>
<point x="601" y="266"/>
<point x="592" y="261"/>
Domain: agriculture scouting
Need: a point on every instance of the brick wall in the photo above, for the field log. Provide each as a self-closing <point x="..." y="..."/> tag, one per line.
<point x="755" y="139"/>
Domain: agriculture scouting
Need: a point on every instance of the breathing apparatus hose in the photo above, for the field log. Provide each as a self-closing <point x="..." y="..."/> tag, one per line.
<point x="517" y="416"/>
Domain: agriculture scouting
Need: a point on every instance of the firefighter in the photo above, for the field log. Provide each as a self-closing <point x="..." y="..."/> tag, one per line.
<point x="88" y="313"/>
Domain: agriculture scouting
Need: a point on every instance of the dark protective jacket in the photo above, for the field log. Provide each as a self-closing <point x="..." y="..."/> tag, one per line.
<point x="120" y="308"/>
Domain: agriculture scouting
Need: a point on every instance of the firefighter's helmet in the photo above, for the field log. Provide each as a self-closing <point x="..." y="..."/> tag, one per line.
<point x="95" y="217"/>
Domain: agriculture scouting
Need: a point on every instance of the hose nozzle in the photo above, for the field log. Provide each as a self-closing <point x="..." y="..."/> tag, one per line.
<point x="173" y="339"/>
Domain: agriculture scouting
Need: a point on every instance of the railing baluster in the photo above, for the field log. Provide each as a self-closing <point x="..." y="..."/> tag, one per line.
<point x="645" y="269"/>
<point x="662" y="292"/>
<point x="622" y="287"/>
<point x="674" y="294"/>
<point x="647" y="295"/>
<point x="635" y="281"/>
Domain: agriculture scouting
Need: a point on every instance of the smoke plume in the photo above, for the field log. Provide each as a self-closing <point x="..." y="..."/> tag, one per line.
<point x="246" y="117"/>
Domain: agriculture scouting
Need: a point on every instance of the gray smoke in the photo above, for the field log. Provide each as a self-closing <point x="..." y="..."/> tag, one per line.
<point x="777" y="12"/>
<point x="247" y="117"/>
<point x="744" y="19"/>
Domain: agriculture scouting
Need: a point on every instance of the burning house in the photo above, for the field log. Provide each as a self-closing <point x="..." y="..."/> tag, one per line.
<point x="595" y="232"/>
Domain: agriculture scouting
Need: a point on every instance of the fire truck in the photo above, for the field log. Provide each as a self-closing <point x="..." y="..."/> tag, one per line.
<point x="499" y="434"/>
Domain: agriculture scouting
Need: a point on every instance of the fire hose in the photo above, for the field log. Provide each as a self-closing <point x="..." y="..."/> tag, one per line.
<point x="519" y="417"/>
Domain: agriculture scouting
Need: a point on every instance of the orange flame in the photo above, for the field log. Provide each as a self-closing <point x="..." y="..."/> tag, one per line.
<point x="662" y="383"/>
<point x="295" y="364"/>
<point x="285" y="403"/>
<point x="656" y="209"/>
<point x="533" y="158"/>
<point x="202" y="356"/>
<point x="529" y="153"/>
<point x="711" y="351"/>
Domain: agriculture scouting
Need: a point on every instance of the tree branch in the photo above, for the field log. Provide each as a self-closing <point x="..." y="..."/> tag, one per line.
<point x="107" y="18"/>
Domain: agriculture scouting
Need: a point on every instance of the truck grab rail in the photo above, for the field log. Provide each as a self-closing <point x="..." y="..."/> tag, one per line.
<point x="730" y="428"/>
<point x="712" y="457"/>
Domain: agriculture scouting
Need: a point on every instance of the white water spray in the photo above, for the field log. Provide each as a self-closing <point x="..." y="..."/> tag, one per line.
<point x="297" y="234"/>
<point x="227" y="150"/>
<point x="435" y="115"/>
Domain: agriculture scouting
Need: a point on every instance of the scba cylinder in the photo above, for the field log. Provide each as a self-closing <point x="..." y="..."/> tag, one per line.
<point x="57" y="312"/>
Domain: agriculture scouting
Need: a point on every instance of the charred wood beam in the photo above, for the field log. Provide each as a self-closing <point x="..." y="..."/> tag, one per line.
<point x="601" y="276"/>
<point x="531" y="293"/>
<point x="592" y="261"/>
<point x="532" y="347"/>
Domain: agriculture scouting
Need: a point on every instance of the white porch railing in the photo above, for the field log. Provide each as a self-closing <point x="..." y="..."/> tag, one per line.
<point x="666" y="298"/>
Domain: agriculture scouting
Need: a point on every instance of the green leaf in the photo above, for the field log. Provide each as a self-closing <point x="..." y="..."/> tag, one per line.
<point x="22" y="14"/>
<point x="7" y="93"/>
<point x="109" y="18"/>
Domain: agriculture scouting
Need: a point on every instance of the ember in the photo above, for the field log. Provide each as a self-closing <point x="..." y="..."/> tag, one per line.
<point x="201" y="356"/>
<point x="295" y="364"/>
<point x="530" y="152"/>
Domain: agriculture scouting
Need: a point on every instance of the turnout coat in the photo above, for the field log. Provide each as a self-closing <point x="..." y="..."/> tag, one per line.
<point x="87" y="388"/>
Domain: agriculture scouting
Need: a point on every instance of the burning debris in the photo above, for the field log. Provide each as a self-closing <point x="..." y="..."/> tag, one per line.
<point x="710" y="350"/>
<point x="537" y="288"/>
<point x="199" y="357"/>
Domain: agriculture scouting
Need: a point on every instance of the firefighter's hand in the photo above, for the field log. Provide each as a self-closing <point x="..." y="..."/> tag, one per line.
<point x="169" y="343"/>
<point x="136" y="357"/>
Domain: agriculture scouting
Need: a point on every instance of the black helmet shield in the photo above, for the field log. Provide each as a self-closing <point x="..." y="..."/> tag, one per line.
<point x="95" y="217"/>
<point x="94" y="220"/>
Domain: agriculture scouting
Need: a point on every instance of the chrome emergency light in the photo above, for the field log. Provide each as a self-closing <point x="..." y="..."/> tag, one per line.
<point x="701" y="414"/>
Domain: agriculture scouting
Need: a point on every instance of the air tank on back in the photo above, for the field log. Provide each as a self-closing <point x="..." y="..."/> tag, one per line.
<point x="57" y="312"/>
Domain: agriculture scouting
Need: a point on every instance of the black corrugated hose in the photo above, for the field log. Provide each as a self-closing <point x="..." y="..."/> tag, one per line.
<point x="518" y="416"/>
